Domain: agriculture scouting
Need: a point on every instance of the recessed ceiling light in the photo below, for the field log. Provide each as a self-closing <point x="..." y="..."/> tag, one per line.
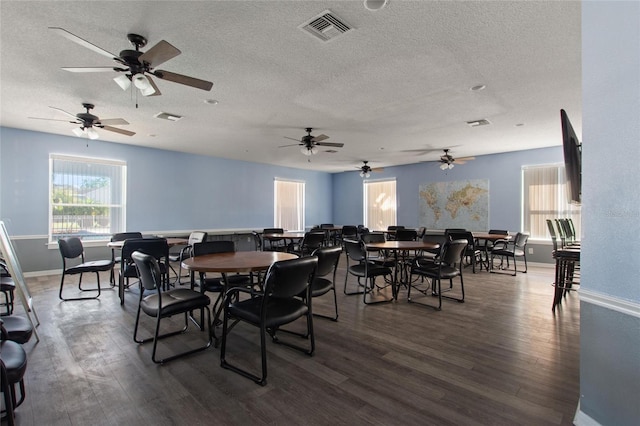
<point x="211" y="101"/>
<point x="478" y="88"/>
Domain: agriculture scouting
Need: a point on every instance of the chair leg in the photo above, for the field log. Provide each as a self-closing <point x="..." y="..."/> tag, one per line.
<point x="79" y="282"/>
<point x="369" y="290"/>
<point x="261" y="380"/>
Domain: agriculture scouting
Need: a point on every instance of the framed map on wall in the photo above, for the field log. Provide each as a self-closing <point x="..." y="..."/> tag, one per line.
<point x="458" y="204"/>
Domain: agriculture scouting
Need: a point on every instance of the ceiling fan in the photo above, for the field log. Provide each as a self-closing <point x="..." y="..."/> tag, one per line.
<point x="308" y="144"/>
<point x="447" y="161"/>
<point x="365" y="169"/>
<point x="138" y="66"/>
<point x="88" y="122"/>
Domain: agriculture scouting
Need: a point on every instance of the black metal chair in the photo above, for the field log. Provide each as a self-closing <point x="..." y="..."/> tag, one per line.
<point x="13" y="366"/>
<point x="472" y="253"/>
<point x="186" y="251"/>
<point x="217" y="284"/>
<point x="393" y="228"/>
<point x="72" y="251"/>
<point x="325" y="277"/>
<point x="361" y="266"/>
<point x="7" y="288"/>
<point x="511" y="250"/>
<point x="273" y="244"/>
<point x="115" y="258"/>
<point x="164" y="304"/>
<point x="277" y="305"/>
<point x="446" y="267"/>
<point x="349" y="232"/>
<point x="311" y="242"/>
<point x="156" y="247"/>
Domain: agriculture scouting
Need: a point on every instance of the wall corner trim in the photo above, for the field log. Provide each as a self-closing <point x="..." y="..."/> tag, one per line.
<point x="624" y="306"/>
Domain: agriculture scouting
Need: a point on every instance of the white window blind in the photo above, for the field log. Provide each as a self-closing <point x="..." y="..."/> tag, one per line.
<point x="86" y="197"/>
<point x="379" y="204"/>
<point x="545" y="197"/>
<point x="289" y="205"/>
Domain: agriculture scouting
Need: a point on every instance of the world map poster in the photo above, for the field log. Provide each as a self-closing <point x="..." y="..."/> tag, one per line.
<point x="461" y="204"/>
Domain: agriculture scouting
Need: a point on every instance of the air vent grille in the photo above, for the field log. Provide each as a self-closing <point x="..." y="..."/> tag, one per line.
<point x="477" y="123"/>
<point x="325" y="26"/>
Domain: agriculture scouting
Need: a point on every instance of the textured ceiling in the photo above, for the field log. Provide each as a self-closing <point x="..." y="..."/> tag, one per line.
<point x="397" y="84"/>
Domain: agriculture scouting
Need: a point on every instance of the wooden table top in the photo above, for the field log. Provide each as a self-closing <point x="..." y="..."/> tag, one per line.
<point x="404" y="245"/>
<point x="490" y="237"/>
<point x="287" y="235"/>
<point x="170" y="242"/>
<point x="239" y="261"/>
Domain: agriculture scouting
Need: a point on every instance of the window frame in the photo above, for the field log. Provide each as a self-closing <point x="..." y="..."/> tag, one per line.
<point x="559" y="206"/>
<point x="300" y="195"/>
<point x="119" y="176"/>
<point x="366" y="208"/>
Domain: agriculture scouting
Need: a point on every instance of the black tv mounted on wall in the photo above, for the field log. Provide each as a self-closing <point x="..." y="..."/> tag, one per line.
<point x="572" y="159"/>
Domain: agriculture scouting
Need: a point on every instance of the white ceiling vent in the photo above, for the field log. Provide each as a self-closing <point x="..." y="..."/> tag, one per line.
<point x="168" y="116"/>
<point x="477" y="123"/>
<point x="325" y="26"/>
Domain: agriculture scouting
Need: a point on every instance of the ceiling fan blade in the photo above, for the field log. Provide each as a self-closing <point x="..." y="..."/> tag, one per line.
<point x="293" y="144"/>
<point x="65" y="112"/>
<point x="183" y="79"/>
<point x="160" y="53"/>
<point x="156" y="91"/>
<point x="82" y="42"/>
<point x="336" y="144"/>
<point x="88" y="69"/>
<point x="298" y="140"/>
<point x="377" y="169"/>
<point x="465" y="159"/>
<point x="114" y="121"/>
<point x="52" y="119"/>
<point x="319" y="138"/>
<point x="123" y="81"/>
<point x="116" y="130"/>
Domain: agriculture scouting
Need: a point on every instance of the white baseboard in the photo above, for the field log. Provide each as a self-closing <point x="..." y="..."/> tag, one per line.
<point x="626" y="307"/>
<point x="581" y="419"/>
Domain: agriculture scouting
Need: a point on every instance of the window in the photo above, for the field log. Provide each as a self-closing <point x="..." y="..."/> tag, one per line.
<point x="86" y="198"/>
<point x="545" y="197"/>
<point x="379" y="204"/>
<point x="289" y="205"/>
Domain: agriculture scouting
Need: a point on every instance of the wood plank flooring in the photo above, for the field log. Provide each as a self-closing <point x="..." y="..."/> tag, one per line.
<point x="500" y="358"/>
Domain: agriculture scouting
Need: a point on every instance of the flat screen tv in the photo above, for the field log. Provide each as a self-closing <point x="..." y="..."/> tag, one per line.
<point x="572" y="159"/>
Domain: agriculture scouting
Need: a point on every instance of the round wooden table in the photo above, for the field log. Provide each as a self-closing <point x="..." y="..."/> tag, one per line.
<point x="238" y="261"/>
<point x="170" y="242"/>
<point x="398" y="247"/>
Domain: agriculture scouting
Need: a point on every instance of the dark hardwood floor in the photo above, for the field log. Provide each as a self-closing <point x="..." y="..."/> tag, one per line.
<point x="500" y="358"/>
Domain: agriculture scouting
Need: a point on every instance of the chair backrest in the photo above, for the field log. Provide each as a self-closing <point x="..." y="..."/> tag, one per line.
<point x="312" y="241"/>
<point x="156" y="247"/>
<point x="197" y="237"/>
<point x="350" y="231"/>
<point x="452" y="253"/>
<point x="212" y="247"/>
<point x="406" y="234"/>
<point x="257" y="240"/>
<point x="373" y="237"/>
<point x="421" y="231"/>
<point x="71" y="247"/>
<point x="498" y="231"/>
<point x="451" y="230"/>
<point x="328" y="258"/>
<point x="148" y="270"/>
<point x="520" y="240"/>
<point x="326" y="225"/>
<point x="121" y="236"/>
<point x="356" y="250"/>
<point x="464" y="235"/>
<point x="289" y="278"/>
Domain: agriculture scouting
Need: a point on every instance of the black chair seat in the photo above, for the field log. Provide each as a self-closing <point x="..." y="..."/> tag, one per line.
<point x="92" y="266"/>
<point x="321" y="286"/>
<point x="174" y="301"/>
<point x="446" y="272"/>
<point x="19" y="329"/>
<point x="372" y="269"/>
<point x="15" y="360"/>
<point x="279" y="311"/>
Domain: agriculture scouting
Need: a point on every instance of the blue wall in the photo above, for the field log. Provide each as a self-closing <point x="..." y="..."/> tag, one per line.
<point x="166" y="191"/>
<point x="503" y="171"/>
